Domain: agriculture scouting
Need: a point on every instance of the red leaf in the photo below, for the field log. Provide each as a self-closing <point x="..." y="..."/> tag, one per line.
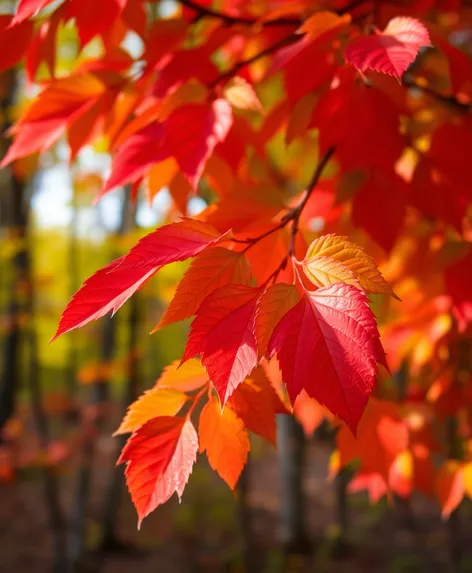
<point x="172" y="243"/>
<point x="15" y="38"/>
<point x="212" y="269"/>
<point x="255" y="401"/>
<point x="189" y="134"/>
<point x="391" y="51"/>
<point x="223" y="334"/>
<point x="193" y="131"/>
<point x="109" y="288"/>
<point x="160" y="457"/>
<point x="60" y="105"/>
<point x="138" y="152"/>
<point x="94" y="18"/>
<point x="458" y="279"/>
<point x="225" y="440"/>
<point x="328" y="344"/>
<point x="27" y="8"/>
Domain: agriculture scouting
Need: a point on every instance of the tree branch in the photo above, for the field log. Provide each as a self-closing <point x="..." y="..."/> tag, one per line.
<point x="295" y="214"/>
<point x="411" y="82"/>
<point x="228" y="19"/>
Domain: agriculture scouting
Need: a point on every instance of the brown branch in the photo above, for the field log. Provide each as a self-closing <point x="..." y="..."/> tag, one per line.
<point x="238" y="66"/>
<point x="295" y="214"/>
<point x="411" y="82"/>
<point x="229" y="20"/>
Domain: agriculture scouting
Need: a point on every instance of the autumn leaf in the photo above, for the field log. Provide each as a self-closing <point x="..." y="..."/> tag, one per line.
<point x="308" y="412"/>
<point x="255" y="402"/>
<point x="328" y="344"/>
<point x="331" y="259"/>
<point x="391" y="51"/>
<point x="64" y="102"/>
<point x="172" y="243"/>
<point x="223" y="334"/>
<point x="274" y="303"/>
<point x="210" y="270"/>
<point x="159" y="401"/>
<point x="159" y="458"/>
<point x="109" y="288"/>
<point x="27" y="8"/>
<point x="241" y="94"/>
<point x="224" y="438"/>
<point x="185" y="377"/>
<point x="15" y="37"/>
<point x="450" y="486"/>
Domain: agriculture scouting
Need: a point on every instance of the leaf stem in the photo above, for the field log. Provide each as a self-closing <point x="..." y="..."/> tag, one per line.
<point x="205" y="388"/>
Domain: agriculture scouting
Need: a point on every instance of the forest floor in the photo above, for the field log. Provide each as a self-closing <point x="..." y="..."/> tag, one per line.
<point x="204" y="534"/>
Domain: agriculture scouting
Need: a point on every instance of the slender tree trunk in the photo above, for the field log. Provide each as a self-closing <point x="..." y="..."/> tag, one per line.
<point x="73" y="272"/>
<point x="56" y="516"/>
<point x="100" y="395"/>
<point x="112" y="501"/>
<point x="291" y="449"/>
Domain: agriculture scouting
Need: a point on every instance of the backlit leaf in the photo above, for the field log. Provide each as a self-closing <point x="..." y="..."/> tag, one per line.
<point x="391" y="51"/>
<point x="109" y="288"/>
<point x="159" y="458"/>
<point x="212" y="269"/>
<point x="224" y="438"/>
<point x="255" y="402"/>
<point x="223" y="334"/>
<point x="331" y="259"/>
<point x="328" y="344"/>
<point x="186" y="377"/>
<point x="27" y="8"/>
<point x="275" y="302"/>
<point x="241" y="94"/>
<point x="159" y="401"/>
<point x="450" y="486"/>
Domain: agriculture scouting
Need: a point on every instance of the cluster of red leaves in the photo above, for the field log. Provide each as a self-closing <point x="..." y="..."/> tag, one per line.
<point x="393" y="146"/>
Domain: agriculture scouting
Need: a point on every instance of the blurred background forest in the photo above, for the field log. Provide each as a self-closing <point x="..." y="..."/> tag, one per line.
<point x="63" y="505"/>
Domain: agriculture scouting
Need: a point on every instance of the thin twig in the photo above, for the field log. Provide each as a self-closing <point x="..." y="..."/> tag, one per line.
<point x="228" y="19"/>
<point x="451" y="100"/>
<point x="295" y="214"/>
<point x="238" y="66"/>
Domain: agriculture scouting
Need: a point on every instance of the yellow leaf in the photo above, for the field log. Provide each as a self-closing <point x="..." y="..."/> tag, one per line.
<point x="159" y="401"/>
<point x="190" y="376"/>
<point x="331" y="259"/>
<point x="241" y="94"/>
<point x="323" y="22"/>
<point x="467" y="476"/>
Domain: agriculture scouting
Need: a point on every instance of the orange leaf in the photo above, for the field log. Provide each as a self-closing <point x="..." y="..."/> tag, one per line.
<point x="159" y="401"/>
<point x="331" y="259"/>
<point x="225" y="440"/>
<point x="212" y="269"/>
<point x="276" y="301"/>
<point x="255" y="402"/>
<point x="309" y="412"/>
<point x="160" y="176"/>
<point x="187" y="377"/>
<point x="450" y="486"/>
<point x="323" y="22"/>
